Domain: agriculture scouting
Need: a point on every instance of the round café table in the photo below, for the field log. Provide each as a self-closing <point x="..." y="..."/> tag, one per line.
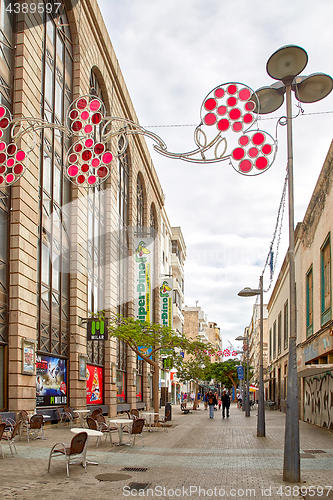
<point x="150" y="413"/>
<point x="81" y="415"/>
<point x="90" y="432"/>
<point x="120" y="422"/>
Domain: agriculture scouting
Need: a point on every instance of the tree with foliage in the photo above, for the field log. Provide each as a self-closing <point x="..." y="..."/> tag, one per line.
<point x="225" y="372"/>
<point x="193" y="369"/>
<point x="148" y="339"/>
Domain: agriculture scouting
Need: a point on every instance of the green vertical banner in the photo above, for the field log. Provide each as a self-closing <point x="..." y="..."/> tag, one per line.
<point x="166" y="293"/>
<point x="144" y="265"/>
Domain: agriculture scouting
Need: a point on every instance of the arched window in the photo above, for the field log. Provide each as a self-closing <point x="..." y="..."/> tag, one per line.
<point x="53" y="285"/>
<point x="139" y="207"/>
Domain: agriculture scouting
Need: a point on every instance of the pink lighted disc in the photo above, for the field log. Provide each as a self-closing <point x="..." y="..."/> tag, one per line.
<point x="219" y="93"/>
<point x="80" y="179"/>
<point x="86" y="155"/>
<point x="85" y="168"/>
<point x="96" y="118"/>
<point x="10" y="162"/>
<point x="94" y="105"/>
<point x="73" y="170"/>
<point x="249" y="106"/>
<point x="84" y="115"/>
<point x="95" y="162"/>
<point x="232" y="101"/>
<point x="73" y="114"/>
<point x="107" y="157"/>
<point x="11" y="149"/>
<point x="89" y="143"/>
<point x="222" y="110"/>
<point x="4" y="123"/>
<point x="76" y="126"/>
<point x="238" y="153"/>
<point x="248" y="118"/>
<point x="1" y="179"/>
<point x="253" y="152"/>
<point x="18" y="169"/>
<point x="1" y="133"/>
<point x="20" y="155"/>
<point x="72" y="158"/>
<point x="235" y="114"/>
<point x="10" y="178"/>
<point x="102" y="172"/>
<point x="223" y="124"/>
<point x="266" y="149"/>
<point x="244" y="94"/>
<point x="258" y="138"/>
<point x="3" y="169"/>
<point x="245" y="166"/>
<point x="261" y="163"/>
<point x="99" y="148"/>
<point x="237" y="126"/>
<point x="88" y="129"/>
<point x="2" y="111"/>
<point x="210" y="104"/>
<point x="81" y="104"/>
<point x="232" y="89"/>
<point x="78" y="148"/>
<point x="210" y="119"/>
<point x="244" y="140"/>
<point x="92" y="179"/>
<point x="3" y="157"/>
<point x="2" y="146"/>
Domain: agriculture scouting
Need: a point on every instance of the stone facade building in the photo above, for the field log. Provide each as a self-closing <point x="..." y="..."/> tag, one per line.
<point x="66" y="250"/>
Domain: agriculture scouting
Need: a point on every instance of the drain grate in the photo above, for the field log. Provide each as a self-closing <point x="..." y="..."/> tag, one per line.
<point x="112" y="477"/>
<point x="138" y="486"/>
<point x="306" y="455"/>
<point x="135" y="469"/>
<point x="314" y="451"/>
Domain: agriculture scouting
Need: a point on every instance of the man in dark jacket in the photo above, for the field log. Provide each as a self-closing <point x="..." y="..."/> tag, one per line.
<point x="225" y="403"/>
<point x="211" y="403"/>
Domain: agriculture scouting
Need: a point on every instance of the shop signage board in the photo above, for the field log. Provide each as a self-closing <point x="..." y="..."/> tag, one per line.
<point x="166" y="293"/>
<point x="240" y="372"/>
<point x="94" y="385"/>
<point x="51" y="381"/>
<point x="144" y="265"/>
<point x="97" y="329"/>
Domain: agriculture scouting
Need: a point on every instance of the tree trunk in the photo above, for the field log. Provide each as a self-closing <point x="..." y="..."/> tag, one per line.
<point x="195" y="404"/>
<point x="156" y="402"/>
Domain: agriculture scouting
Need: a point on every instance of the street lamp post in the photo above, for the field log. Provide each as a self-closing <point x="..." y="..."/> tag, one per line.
<point x="285" y="65"/>
<point x="247" y="400"/>
<point x="249" y="292"/>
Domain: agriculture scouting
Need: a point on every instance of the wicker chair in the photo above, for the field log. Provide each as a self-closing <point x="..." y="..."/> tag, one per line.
<point x="94" y="414"/>
<point x="135" y="413"/>
<point x="2" y="430"/>
<point x="136" y="429"/>
<point x="161" y="421"/>
<point x="103" y="427"/>
<point x="63" y="416"/>
<point x="10" y="436"/>
<point x="35" y="425"/>
<point x="77" y="447"/>
<point x="75" y="416"/>
<point x="25" y="421"/>
<point x="92" y="424"/>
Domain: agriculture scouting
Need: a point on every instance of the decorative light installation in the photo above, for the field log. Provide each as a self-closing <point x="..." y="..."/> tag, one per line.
<point x="228" y="115"/>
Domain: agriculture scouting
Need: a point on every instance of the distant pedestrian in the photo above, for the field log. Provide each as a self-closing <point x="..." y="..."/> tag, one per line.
<point x="205" y="400"/>
<point x="185" y="398"/>
<point x="181" y="397"/>
<point x="192" y="396"/>
<point x="178" y="398"/>
<point x="211" y="403"/>
<point x="225" y="403"/>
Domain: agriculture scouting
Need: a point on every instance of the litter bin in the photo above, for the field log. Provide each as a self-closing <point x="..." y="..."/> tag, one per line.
<point x="168" y="408"/>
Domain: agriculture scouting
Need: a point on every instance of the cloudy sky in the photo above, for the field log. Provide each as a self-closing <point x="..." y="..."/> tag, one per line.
<point x="172" y="53"/>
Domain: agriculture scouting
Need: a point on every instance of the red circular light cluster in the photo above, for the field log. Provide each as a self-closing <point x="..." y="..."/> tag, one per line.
<point x="88" y="163"/>
<point x="256" y="149"/>
<point x="232" y="101"/>
<point x="11" y="166"/>
<point x="85" y="113"/>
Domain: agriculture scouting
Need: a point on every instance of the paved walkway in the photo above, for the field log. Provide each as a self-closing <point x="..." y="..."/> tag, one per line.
<point x="197" y="458"/>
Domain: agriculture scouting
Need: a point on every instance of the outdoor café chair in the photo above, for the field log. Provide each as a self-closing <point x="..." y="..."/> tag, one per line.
<point x="103" y="427"/>
<point x="162" y="421"/>
<point x="136" y="429"/>
<point x="74" y="416"/>
<point x="10" y="435"/>
<point x="92" y="424"/>
<point x="2" y="430"/>
<point x="63" y="416"/>
<point x="35" y="426"/>
<point x="134" y="413"/>
<point x="25" y="420"/>
<point x="94" y="414"/>
<point x="76" y="448"/>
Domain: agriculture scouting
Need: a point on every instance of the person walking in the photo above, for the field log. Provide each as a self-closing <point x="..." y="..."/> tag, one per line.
<point x="211" y="403"/>
<point x="225" y="403"/>
<point x="205" y="400"/>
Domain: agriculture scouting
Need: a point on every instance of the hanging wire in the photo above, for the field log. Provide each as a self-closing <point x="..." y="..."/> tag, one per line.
<point x="271" y="259"/>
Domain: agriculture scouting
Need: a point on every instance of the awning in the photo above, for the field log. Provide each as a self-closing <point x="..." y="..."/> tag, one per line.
<point x="253" y="388"/>
<point x="309" y="370"/>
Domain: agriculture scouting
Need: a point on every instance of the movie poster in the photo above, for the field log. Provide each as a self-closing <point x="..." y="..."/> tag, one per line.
<point x="94" y="385"/>
<point x="51" y="381"/>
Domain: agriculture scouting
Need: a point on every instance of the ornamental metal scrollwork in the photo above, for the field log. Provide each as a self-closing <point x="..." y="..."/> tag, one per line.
<point x="226" y="132"/>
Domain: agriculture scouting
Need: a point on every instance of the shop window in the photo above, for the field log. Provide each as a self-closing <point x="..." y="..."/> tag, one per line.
<point x="285" y="325"/>
<point x="279" y="333"/>
<point x="270" y="345"/>
<point x="309" y="302"/>
<point x="325" y="261"/>
<point x="274" y="340"/>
